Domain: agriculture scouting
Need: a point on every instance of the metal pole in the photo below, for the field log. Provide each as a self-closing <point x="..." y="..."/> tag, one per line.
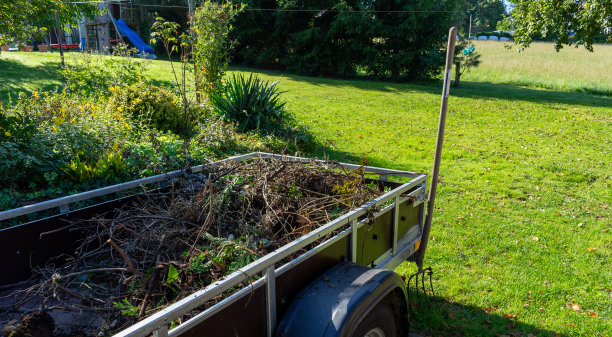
<point x="470" y="31"/>
<point x="450" y="53"/>
<point x="59" y="35"/>
<point x="193" y="40"/>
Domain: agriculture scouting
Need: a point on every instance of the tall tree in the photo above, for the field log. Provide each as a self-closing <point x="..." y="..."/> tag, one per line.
<point x="385" y="38"/>
<point x="485" y="13"/>
<point x="568" y="22"/>
<point x="27" y="19"/>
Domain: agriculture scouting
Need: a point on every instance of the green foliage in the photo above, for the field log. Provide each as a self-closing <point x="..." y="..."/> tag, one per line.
<point x="44" y="132"/>
<point x="466" y="58"/>
<point x="167" y="33"/>
<point x="173" y="274"/>
<point x="108" y="168"/>
<point x="386" y="39"/>
<point x="94" y="74"/>
<point x="487" y="13"/>
<point x="18" y="126"/>
<point x="127" y="308"/>
<point x="212" y="45"/>
<point x="157" y="153"/>
<point x="568" y="22"/>
<point x="149" y="104"/>
<point x="27" y="19"/>
<point x="251" y="103"/>
<point x="227" y="255"/>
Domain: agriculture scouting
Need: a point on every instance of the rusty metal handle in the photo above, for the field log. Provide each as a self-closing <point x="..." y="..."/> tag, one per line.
<point x="450" y="53"/>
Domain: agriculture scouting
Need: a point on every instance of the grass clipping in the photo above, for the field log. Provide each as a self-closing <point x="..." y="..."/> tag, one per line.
<point x="170" y="243"/>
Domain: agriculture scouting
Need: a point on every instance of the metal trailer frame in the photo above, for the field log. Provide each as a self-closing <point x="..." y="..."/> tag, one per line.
<point x="348" y="224"/>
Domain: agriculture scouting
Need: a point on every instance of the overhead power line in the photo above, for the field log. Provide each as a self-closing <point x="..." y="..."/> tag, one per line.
<point x="282" y="9"/>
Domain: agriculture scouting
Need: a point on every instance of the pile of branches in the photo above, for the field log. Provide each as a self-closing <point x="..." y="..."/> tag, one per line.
<point x="170" y="242"/>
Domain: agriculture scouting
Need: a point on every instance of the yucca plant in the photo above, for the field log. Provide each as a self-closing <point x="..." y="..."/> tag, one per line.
<point x="251" y="103"/>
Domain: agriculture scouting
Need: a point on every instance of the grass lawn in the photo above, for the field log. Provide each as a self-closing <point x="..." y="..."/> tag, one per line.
<point x="522" y="234"/>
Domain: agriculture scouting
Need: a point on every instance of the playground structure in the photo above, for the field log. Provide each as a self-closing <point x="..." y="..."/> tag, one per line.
<point x="111" y="26"/>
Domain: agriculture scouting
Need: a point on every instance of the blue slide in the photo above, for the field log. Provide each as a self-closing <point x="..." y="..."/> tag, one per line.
<point x="143" y="48"/>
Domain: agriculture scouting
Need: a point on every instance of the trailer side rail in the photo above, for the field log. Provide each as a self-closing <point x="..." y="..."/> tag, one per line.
<point x="64" y="203"/>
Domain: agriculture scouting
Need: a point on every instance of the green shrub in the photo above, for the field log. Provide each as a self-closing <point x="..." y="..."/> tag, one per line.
<point x="93" y="74"/>
<point x="109" y="168"/>
<point x="44" y="132"/>
<point x="212" y="24"/>
<point x="251" y="103"/>
<point x="157" y="153"/>
<point x="151" y="105"/>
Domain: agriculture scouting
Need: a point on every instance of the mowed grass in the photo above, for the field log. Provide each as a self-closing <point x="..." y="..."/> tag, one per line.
<point x="522" y="233"/>
<point x="570" y="69"/>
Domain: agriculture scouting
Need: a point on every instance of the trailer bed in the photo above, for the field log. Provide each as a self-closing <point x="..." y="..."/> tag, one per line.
<point x="381" y="233"/>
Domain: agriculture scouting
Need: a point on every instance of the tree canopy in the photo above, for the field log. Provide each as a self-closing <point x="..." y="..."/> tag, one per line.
<point x="383" y="38"/>
<point x="567" y="22"/>
<point x="485" y="13"/>
<point x="26" y="19"/>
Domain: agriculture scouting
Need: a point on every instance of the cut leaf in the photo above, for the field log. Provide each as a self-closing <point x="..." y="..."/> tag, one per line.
<point x="172" y="274"/>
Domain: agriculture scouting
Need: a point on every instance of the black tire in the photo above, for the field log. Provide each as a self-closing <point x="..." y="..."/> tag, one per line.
<point x="380" y="322"/>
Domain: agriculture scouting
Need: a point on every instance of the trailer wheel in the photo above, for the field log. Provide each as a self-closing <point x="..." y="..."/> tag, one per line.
<point x="380" y="322"/>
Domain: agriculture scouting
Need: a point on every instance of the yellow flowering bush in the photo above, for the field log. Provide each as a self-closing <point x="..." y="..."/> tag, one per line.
<point x="45" y="132"/>
<point x="151" y="105"/>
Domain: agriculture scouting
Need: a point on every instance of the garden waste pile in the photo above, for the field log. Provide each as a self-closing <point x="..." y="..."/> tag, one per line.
<point x="170" y="242"/>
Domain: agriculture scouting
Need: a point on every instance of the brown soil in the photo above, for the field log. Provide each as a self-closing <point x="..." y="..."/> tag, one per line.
<point x="36" y="324"/>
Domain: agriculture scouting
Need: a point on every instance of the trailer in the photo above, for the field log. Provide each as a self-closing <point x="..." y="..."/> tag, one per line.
<point x="336" y="280"/>
<point x="337" y="287"/>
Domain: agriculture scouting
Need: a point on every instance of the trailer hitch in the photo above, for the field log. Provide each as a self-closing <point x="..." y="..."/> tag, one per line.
<point x="422" y="273"/>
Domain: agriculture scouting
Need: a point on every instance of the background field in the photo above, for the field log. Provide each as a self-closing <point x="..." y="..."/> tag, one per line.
<point x="522" y="236"/>
<point x="571" y="69"/>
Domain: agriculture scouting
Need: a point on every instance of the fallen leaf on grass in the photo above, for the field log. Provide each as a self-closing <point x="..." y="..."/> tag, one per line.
<point x="592" y="249"/>
<point x="526" y="305"/>
<point x="592" y="313"/>
<point x="541" y="309"/>
<point x="546" y="283"/>
<point x="576" y="307"/>
<point x="489" y="310"/>
<point x="510" y="315"/>
<point x="534" y="238"/>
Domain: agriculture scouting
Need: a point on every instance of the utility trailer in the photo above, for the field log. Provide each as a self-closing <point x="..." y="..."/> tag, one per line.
<point x="340" y="286"/>
<point x="317" y="285"/>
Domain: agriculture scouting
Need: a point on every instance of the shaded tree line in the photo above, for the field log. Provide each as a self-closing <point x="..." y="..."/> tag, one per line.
<point x="385" y="39"/>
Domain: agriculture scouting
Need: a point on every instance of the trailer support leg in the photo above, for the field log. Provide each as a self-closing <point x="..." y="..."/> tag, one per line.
<point x="354" y="240"/>
<point x="161" y="332"/>
<point x="271" y="299"/>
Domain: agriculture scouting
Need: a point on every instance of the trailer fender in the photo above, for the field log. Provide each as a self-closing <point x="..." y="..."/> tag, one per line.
<point x="335" y="303"/>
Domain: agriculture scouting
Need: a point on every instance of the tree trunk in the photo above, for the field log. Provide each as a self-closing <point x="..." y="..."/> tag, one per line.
<point x="457" y="74"/>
